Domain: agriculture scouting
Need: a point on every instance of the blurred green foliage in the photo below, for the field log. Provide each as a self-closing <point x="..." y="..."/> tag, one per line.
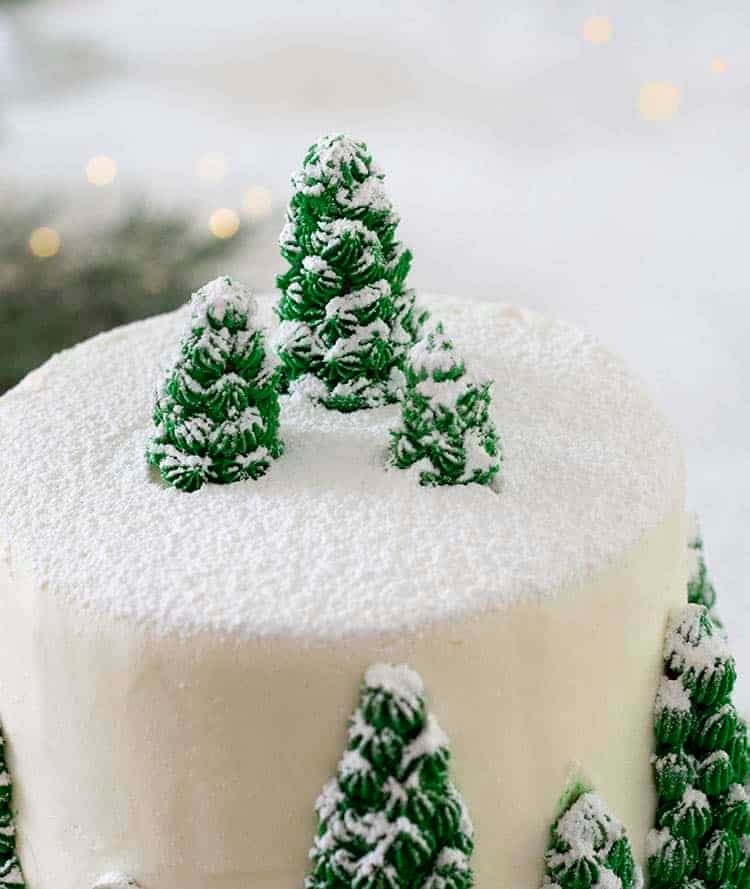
<point x="145" y="263"/>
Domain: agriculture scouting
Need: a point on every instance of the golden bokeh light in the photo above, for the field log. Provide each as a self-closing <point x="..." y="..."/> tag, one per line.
<point x="658" y="100"/>
<point x="597" y="30"/>
<point x="44" y="242"/>
<point x="212" y="167"/>
<point x="718" y="66"/>
<point x="258" y="202"/>
<point x="223" y="223"/>
<point x="101" y="170"/>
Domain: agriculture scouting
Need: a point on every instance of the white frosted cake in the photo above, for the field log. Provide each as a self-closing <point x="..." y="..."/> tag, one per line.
<point x="177" y="670"/>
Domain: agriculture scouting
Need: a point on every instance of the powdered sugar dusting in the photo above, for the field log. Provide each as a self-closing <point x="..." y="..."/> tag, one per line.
<point x="329" y="544"/>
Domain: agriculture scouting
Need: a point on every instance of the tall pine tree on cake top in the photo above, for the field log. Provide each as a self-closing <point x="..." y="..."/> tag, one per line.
<point x="217" y="410"/>
<point x="589" y="849"/>
<point x="10" y="869"/>
<point x="701" y="764"/>
<point x="446" y="434"/>
<point x="347" y="317"/>
<point x="391" y="818"/>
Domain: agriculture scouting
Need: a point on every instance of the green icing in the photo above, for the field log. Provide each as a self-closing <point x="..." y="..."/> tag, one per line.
<point x="11" y="876"/>
<point x="703" y="818"/>
<point x="217" y="410"/>
<point x="391" y="818"/>
<point x="589" y="847"/>
<point x="700" y="589"/>
<point x="446" y="434"/>
<point x="347" y="317"/>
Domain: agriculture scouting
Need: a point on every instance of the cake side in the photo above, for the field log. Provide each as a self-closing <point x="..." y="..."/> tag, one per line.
<point x="194" y="762"/>
<point x="590" y="467"/>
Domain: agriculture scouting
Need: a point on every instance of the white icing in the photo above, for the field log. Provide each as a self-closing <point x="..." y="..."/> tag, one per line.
<point x="115" y="880"/>
<point x="672" y="695"/>
<point x="329" y="544"/>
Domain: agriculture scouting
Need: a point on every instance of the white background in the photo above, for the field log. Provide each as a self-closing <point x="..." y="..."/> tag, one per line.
<point x="515" y="152"/>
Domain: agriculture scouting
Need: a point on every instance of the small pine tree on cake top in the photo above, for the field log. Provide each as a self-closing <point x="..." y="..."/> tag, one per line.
<point x="391" y="818"/>
<point x="702" y="836"/>
<point x="446" y="434"/>
<point x="10" y="868"/>
<point x="347" y="317"/>
<point x="589" y="849"/>
<point x="700" y="589"/>
<point x="217" y="410"/>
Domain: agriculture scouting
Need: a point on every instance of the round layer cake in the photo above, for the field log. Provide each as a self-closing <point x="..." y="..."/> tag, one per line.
<point x="177" y="670"/>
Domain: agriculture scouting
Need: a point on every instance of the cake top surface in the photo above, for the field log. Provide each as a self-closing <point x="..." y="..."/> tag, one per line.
<point x="329" y="544"/>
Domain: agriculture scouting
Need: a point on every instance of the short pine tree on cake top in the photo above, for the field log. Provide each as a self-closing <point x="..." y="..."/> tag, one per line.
<point x="701" y="764"/>
<point x="347" y="317"/>
<point x="391" y="818"/>
<point x="589" y="849"/>
<point x="217" y="410"/>
<point x="10" y="869"/>
<point x="446" y="434"/>
<point x="700" y="589"/>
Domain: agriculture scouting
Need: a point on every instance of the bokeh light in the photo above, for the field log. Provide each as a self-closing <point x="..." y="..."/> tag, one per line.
<point x="223" y="223"/>
<point x="597" y="30"/>
<point x="658" y="100"/>
<point x="258" y="202"/>
<point x="212" y="167"/>
<point x="44" y="242"/>
<point x="718" y="66"/>
<point x="101" y="170"/>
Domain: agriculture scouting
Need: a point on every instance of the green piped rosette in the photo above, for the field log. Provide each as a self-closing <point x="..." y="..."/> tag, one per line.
<point x="11" y="876"/>
<point x="391" y="818"/>
<point x="347" y="316"/>
<point x="589" y="847"/>
<point x="217" y="410"/>
<point x="702" y="835"/>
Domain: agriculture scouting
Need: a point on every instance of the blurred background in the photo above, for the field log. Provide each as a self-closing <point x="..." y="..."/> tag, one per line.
<point x="590" y="162"/>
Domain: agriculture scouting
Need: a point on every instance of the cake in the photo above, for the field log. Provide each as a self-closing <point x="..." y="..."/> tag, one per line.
<point x="177" y="670"/>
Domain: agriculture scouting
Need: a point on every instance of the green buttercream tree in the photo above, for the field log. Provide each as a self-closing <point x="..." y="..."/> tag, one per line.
<point x="700" y="588"/>
<point x="446" y="434"/>
<point x="701" y="764"/>
<point x="347" y="317"/>
<point x="589" y="848"/>
<point x="217" y="410"/>
<point x="10" y="868"/>
<point x="391" y="818"/>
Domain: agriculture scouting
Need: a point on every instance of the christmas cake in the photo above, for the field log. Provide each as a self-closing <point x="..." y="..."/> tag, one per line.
<point x="375" y="613"/>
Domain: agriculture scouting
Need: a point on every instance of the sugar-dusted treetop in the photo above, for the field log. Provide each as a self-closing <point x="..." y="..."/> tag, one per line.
<point x="347" y="317"/>
<point x="446" y="433"/>
<point x="589" y="849"/>
<point x="700" y="588"/>
<point x="702" y="836"/>
<point x="217" y="410"/>
<point x="10" y="869"/>
<point x="391" y="818"/>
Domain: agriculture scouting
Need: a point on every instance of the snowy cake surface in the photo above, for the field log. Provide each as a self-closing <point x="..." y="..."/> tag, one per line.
<point x="329" y="544"/>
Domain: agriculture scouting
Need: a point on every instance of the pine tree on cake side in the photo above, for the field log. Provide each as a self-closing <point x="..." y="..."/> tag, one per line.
<point x="347" y="317"/>
<point x="391" y="818"/>
<point x="446" y="434"/>
<point x="700" y="589"/>
<point x="590" y="849"/>
<point x="702" y="835"/>
<point x="10" y="868"/>
<point x="217" y="410"/>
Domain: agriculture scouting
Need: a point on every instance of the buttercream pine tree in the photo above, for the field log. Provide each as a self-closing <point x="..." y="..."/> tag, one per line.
<point x="701" y="764"/>
<point x="446" y="434"/>
<point x="11" y="876"/>
<point x="347" y="316"/>
<point x="589" y="848"/>
<point x="701" y="590"/>
<point x="391" y="818"/>
<point x="217" y="409"/>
